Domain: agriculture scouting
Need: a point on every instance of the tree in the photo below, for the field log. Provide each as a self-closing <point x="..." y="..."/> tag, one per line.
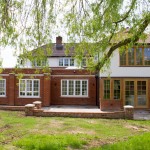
<point x="104" y="22"/>
<point x="30" y="24"/>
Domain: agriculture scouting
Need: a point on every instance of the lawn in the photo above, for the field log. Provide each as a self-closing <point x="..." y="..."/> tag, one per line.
<point x="53" y="133"/>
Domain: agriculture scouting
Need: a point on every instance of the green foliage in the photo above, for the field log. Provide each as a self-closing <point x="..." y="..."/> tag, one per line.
<point x="104" y="23"/>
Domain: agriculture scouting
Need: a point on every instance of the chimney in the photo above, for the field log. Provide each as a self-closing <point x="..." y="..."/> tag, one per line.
<point x="59" y="40"/>
<point x="59" y="45"/>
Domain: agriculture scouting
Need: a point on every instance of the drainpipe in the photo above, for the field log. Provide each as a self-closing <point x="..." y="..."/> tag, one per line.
<point x="97" y="88"/>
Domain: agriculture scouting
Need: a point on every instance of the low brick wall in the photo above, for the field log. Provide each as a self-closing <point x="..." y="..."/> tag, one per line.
<point x="33" y="110"/>
<point x="105" y="115"/>
<point x="12" y="108"/>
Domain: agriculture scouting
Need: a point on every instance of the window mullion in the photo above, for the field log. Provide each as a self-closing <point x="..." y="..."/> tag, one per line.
<point x="32" y="87"/>
<point x="67" y="87"/>
<point x="81" y="87"/>
<point x="74" y="90"/>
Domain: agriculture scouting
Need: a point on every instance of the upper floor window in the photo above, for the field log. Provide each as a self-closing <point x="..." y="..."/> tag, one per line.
<point x="66" y="62"/>
<point x="137" y="56"/>
<point x="2" y="87"/>
<point x="29" y="88"/>
<point x="39" y="63"/>
<point x="74" y="88"/>
<point x="83" y="62"/>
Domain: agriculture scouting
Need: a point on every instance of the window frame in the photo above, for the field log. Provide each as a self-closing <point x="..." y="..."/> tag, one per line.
<point x="111" y="89"/>
<point x="26" y="91"/>
<point x="74" y="87"/>
<point x="43" y="62"/>
<point x="3" y="87"/>
<point x="135" y="57"/>
<point x="69" y="61"/>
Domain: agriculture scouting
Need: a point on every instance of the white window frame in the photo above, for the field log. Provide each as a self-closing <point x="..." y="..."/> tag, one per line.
<point x="74" y="88"/>
<point x="42" y="63"/>
<point x="32" y="91"/>
<point x="3" y="87"/>
<point x="63" y="62"/>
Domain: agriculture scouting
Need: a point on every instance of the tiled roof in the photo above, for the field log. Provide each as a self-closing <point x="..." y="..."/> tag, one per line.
<point x="52" y="51"/>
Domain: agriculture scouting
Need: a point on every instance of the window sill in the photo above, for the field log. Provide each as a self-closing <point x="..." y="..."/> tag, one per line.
<point x="28" y="97"/>
<point x="69" y="96"/>
<point x="3" y="96"/>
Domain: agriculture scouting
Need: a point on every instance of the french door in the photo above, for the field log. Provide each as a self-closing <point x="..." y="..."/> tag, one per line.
<point x="136" y="94"/>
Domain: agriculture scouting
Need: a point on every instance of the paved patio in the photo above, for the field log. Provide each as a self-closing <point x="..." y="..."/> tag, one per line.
<point x="138" y="114"/>
<point x="142" y="115"/>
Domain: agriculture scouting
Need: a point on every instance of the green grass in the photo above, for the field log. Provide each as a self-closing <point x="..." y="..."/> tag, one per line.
<point x="53" y="142"/>
<point x="18" y="132"/>
<point x="141" y="142"/>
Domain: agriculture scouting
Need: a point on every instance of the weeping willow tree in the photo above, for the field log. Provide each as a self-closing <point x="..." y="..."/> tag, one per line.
<point x="104" y="23"/>
<point x="30" y="24"/>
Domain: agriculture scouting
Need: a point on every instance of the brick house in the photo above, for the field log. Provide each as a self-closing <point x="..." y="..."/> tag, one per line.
<point x="70" y="84"/>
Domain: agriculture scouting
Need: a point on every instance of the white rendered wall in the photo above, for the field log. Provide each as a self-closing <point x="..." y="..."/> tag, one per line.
<point x="117" y="71"/>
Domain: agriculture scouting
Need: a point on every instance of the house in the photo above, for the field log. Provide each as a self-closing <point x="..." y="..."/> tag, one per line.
<point x="69" y="83"/>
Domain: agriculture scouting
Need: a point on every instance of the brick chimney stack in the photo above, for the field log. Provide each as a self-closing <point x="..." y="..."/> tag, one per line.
<point x="59" y="40"/>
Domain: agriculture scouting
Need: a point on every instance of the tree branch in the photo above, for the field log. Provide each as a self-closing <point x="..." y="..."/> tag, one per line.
<point x="127" y="14"/>
<point x="135" y="37"/>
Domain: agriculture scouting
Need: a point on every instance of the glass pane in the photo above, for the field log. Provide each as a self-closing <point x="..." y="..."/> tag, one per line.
<point x="71" y="87"/>
<point x="71" y="62"/>
<point x="77" y="88"/>
<point x="36" y="85"/>
<point x="22" y="85"/>
<point x="29" y="85"/>
<point x="2" y="87"/>
<point x="64" y="87"/>
<point x="129" y="93"/>
<point x="66" y="63"/>
<point x="84" y="87"/>
<point x="147" y="56"/>
<point x="123" y="58"/>
<point x="106" y="89"/>
<point x="83" y="63"/>
<point x="60" y="62"/>
<point x="141" y="93"/>
<point x="131" y="56"/>
<point x="139" y="56"/>
<point x="116" y="89"/>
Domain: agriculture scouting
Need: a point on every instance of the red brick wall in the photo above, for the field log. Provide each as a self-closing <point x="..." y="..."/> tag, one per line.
<point x="50" y="87"/>
<point x="59" y="74"/>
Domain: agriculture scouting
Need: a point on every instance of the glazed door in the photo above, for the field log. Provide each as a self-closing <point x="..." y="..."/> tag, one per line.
<point x="136" y="93"/>
<point x="141" y="94"/>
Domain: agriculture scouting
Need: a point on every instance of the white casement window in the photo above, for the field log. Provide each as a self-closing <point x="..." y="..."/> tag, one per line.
<point x="74" y="88"/>
<point x="66" y="62"/>
<point x="2" y="87"/>
<point x="29" y="88"/>
<point x="39" y="63"/>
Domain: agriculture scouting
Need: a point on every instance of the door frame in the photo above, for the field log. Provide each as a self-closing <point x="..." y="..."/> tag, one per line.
<point x="135" y="92"/>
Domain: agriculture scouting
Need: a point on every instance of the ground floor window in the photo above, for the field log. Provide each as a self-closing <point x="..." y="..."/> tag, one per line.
<point x="29" y="88"/>
<point x="74" y="88"/>
<point x="2" y="87"/>
<point x="111" y="89"/>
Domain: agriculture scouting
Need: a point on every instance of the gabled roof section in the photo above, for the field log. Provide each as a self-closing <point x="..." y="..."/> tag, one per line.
<point x="125" y="33"/>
